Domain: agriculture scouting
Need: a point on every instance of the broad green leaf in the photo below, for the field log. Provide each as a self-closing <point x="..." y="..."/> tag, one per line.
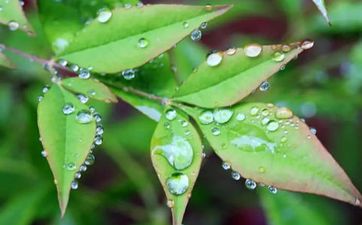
<point x="91" y="88"/>
<point x="289" y="208"/>
<point x="21" y="209"/>
<point x="322" y="8"/>
<point x="66" y="140"/>
<point x="132" y="36"/>
<point x="4" y="61"/>
<point x="273" y="147"/>
<point x="237" y="75"/>
<point x="176" y="153"/>
<point x="12" y="15"/>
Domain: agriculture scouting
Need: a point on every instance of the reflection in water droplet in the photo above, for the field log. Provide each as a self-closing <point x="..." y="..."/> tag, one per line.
<point x="206" y="117"/>
<point x="129" y="74"/>
<point x="83" y="168"/>
<point x="250" y="184"/>
<point x="77" y="175"/>
<point x="179" y="152"/>
<point x="253" y="50"/>
<point x="222" y="115"/>
<point x="196" y="35"/>
<point x="178" y="183"/>
<point x="171" y="114"/>
<point x="278" y="56"/>
<point x="104" y="15"/>
<point x="82" y="98"/>
<point x="203" y="25"/>
<point x="214" y="59"/>
<point x="235" y="175"/>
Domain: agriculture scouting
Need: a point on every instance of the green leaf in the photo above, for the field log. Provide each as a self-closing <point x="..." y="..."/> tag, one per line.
<point x="91" y="88"/>
<point x="322" y="8"/>
<point x="176" y="153"/>
<point x="4" y="61"/>
<point x="21" y="209"/>
<point x="115" y="45"/>
<point x="12" y="12"/>
<point x="289" y="208"/>
<point x="273" y="147"/>
<point x="66" y="140"/>
<point x="237" y="75"/>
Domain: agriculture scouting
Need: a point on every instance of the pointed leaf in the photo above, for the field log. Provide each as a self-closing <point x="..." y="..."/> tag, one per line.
<point x="136" y="35"/>
<point x="91" y="88"/>
<point x="12" y="12"/>
<point x="237" y="75"/>
<point x="273" y="147"/>
<point x="5" y="61"/>
<point x="66" y="140"/>
<point x="322" y="8"/>
<point x="176" y="154"/>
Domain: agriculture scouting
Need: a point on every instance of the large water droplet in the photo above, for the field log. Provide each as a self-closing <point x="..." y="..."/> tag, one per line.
<point x="250" y="184"/>
<point x="13" y="25"/>
<point x="84" y="116"/>
<point x="129" y="74"/>
<point x="235" y="175"/>
<point x="214" y="59"/>
<point x="283" y="113"/>
<point x="179" y="152"/>
<point x="253" y="50"/>
<point x="104" y="15"/>
<point x="222" y="115"/>
<point x="272" y="125"/>
<point x="171" y="114"/>
<point x="253" y="144"/>
<point x="178" y="183"/>
<point x="206" y="117"/>
<point x="278" y="56"/>
<point x="196" y="35"/>
<point x="142" y="43"/>
<point x="68" y="109"/>
<point x="264" y="86"/>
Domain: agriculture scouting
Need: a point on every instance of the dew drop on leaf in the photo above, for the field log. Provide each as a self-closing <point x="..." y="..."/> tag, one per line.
<point x="84" y="116"/>
<point x="264" y="86"/>
<point x="283" y="113"/>
<point x="70" y="166"/>
<point x="45" y="89"/>
<point x="185" y="24"/>
<point x="99" y="130"/>
<point x="278" y="56"/>
<point x="77" y="175"/>
<point x="90" y="159"/>
<point x="84" y="73"/>
<point x="44" y="153"/>
<point x="74" y="68"/>
<point x="74" y="185"/>
<point x="250" y="184"/>
<point x="214" y="59"/>
<point x="226" y="166"/>
<point x="286" y="48"/>
<point x="272" y="125"/>
<point x="178" y="183"/>
<point x="98" y="140"/>
<point x="206" y="117"/>
<point x="83" y="168"/>
<point x="222" y="115"/>
<point x="97" y="117"/>
<point x="142" y="43"/>
<point x="235" y="175"/>
<point x="68" y="109"/>
<point x="313" y="130"/>
<point x="196" y="35"/>
<point x="307" y="44"/>
<point x="203" y="25"/>
<point x="82" y="98"/>
<point x="171" y="114"/>
<point x="230" y="51"/>
<point x="272" y="189"/>
<point x="215" y="131"/>
<point x="104" y="15"/>
<point x="13" y="25"/>
<point x="253" y="50"/>
<point x="254" y="110"/>
<point x="240" y="117"/>
<point x="129" y="74"/>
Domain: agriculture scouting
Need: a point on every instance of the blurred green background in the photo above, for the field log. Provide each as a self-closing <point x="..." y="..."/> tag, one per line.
<point x="324" y="86"/>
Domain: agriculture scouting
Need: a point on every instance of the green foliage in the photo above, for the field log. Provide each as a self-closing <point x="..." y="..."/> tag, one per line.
<point x="138" y="53"/>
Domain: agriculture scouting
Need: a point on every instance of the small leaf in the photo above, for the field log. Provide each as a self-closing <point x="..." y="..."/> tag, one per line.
<point x="67" y="139"/>
<point x="271" y="146"/>
<point x="176" y="154"/>
<point x="133" y="36"/>
<point x="91" y="88"/>
<point x="12" y="15"/>
<point x="5" y="61"/>
<point x="238" y="74"/>
<point x="322" y="8"/>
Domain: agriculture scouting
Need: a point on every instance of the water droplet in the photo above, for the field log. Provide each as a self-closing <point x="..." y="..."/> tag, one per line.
<point x="215" y="131"/>
<point x="84" y="116"/>
<point x="83" y="168"/>
<point x="286" y="48"/>
<point x="179" y="152"/>
<point x="278" y="56"/>
<point x="40" y="98"/>
<point x="70" y="166"/>
<point x="230" y="51"/>
<point x="74" y="68"/>
<point x="178" y="183"/>
<point x="208" y="7"/>
<point x="265" y="121"/>
<point x="97" y="117"/>
<point x="253" y="50"/>
<point x="357" y="202"/>
<point x="307" y="44"/>
<point x="196" y="35"/>
<point x="129" y="74"/>
<point x="240" y="117"/>
<point x="250" y="184"/>
<point x="203" y="25"/>
<point x="265" y="112"/>
<point x="171" y="114"/>
<point x="99" y="130"/>
<point x="167" y="125"/>
<point x="184" y="123"/>
<point x="90" y="159"/>
<point x="82" y="98"/>
<point x="92" y="109"/>
<point x="283" y="113"/>
<point x="214" y="59"/>
<point x="313" y="130"/>
<point x="44" y="153"/>
<point x="142" y="43"/>
<point x="68" y="109"/>
<point x="222" y="115"/>
<point x="185" y="24"/>
<point x="264" y="86"/>
<point x="272" y="125"/>
<point x="104" y="15"/>
<point x="254" y="110"/>
<point x="13" y="25"/>
<point x="235" y="175"/>
<point x="98" y="140"/>
<point x="45" y="89"/>
<point x="272" y="189"/>
<point x="226" y="166"/>
<point x="170" y="203"/>
<point x="74" y="185"/>
<point x="206" y="117"/>
<point x="84" y="73"/>
<point x="77" y="175"/>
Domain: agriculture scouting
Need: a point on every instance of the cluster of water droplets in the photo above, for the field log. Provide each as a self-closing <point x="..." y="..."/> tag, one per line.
<point x="196" y="34"/>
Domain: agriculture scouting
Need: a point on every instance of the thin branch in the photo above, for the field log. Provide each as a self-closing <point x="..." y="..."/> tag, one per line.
<point x="30" y="57"/>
